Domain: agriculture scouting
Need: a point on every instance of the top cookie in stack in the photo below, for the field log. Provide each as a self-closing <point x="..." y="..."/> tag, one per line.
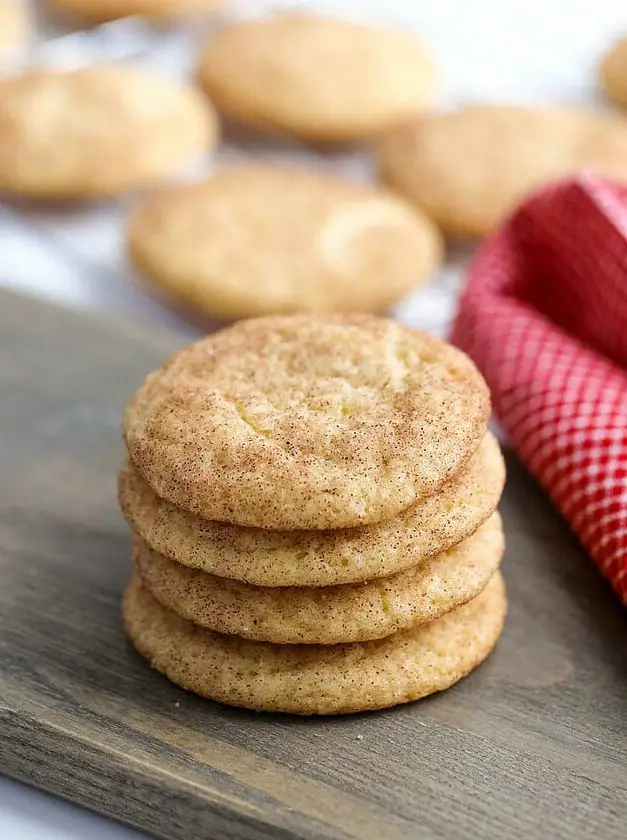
<point x="301" y="482"/>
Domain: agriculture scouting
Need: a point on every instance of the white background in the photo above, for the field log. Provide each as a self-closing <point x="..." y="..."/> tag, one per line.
<point x="532" y="51"/>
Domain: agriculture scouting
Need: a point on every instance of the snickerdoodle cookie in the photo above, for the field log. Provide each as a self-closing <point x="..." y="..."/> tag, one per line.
<point x="97" y="131"/>
<point x="318" y="558"/>
<point x="301" y="422"/>
<point x="260" y="240"/>
<point x="102" y="10"/>
<point x="318" y="78"/>
<point x="613" y="72"/>
<point x="332" y="614"/>
<point x="316" y="679"/>
<point x="468" y="169"/>
<point x="13" y="24"/>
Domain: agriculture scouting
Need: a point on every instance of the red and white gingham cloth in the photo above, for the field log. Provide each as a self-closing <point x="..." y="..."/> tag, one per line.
<point x="544" y="316"/>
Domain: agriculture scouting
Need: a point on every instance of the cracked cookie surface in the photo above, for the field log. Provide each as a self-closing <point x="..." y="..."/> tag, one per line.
<point x="307" y="421"/>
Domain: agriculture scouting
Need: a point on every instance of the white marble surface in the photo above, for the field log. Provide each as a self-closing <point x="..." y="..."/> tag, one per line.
<point x="529" y="51"/>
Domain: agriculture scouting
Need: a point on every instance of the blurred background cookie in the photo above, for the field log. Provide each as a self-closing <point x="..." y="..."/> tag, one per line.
<point x="317" y="78"/>
<point x="613" y="73"/>
<point x="97" y="131"/>
<point x="97" y="11"/>
<point x="255" y="240"/>
<point x="468" y="168"/>
<point x="14" y="23"/>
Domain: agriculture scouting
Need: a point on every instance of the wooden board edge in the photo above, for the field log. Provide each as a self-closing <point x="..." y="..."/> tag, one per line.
<point x="31" y="752"/>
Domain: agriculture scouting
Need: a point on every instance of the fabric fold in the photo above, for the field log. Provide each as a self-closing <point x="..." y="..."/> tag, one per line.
<point x="544" y="316"/>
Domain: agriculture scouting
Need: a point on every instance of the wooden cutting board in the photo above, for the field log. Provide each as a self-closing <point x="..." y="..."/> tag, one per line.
<point x="532" y="745"/>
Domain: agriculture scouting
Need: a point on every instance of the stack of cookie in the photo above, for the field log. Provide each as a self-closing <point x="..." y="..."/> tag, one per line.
<point x="313" y="504"/>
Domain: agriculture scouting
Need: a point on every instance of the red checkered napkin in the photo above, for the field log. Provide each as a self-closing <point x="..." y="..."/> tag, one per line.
<point x="544" y="316"/>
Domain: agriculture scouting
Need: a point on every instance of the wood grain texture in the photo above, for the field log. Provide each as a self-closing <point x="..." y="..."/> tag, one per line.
<point x="532" y="745"/>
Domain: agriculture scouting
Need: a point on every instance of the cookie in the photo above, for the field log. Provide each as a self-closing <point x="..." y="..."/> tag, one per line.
<point x="328" y="615"/>
<point x="259" y="240"/>
<point x="98" y="11"/>
<point x="316" y="679"/>
<point x="307" y="422"/>
<point x="98" y="131"/>
<point x="319" y="558"/>
<point x="13" y="24"/>
<point x="613" y="73"/>
<point x="468" y="169"/>
<point x="317" y="78"/>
